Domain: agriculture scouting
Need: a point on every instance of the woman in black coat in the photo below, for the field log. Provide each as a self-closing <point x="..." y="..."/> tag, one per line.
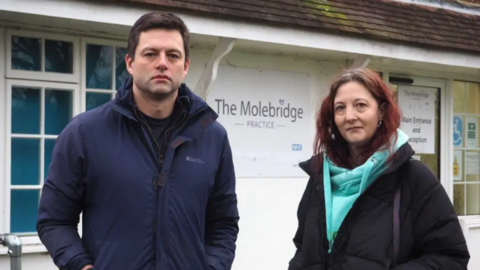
<point x="368" y="204"/>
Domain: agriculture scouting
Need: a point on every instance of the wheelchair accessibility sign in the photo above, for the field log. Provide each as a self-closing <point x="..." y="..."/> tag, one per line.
<point x="457" y="131"/>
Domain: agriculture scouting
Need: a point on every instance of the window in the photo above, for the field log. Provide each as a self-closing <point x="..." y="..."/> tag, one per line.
<point x="45" y="80"/>
<point x="38" y="112"/>
<point x="39" y="56"/>
<point x="104" y="70"/>
<point x="40" y="95"/>
<point x="466" y="143"/>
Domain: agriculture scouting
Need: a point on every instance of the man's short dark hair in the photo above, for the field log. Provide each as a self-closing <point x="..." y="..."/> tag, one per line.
<point x="158" y="20"/>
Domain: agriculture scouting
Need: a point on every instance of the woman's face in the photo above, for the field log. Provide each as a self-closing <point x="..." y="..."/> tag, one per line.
<point x="357" y="113"/>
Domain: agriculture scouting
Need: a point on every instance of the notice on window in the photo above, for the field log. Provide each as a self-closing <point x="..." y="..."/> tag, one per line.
<point x="471" y="132"/>
<point x="458" y="131"/>
<point x="472" y="162"/>
<point x="267" y="117"/>
<point x="418" y="121"/>
<point x="457" y="165"/>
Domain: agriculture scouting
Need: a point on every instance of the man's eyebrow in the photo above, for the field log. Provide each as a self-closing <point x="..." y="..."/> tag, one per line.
<point x="154" y="49"/>
<point x="174" y="50"/>
<point x="148" y="49"/>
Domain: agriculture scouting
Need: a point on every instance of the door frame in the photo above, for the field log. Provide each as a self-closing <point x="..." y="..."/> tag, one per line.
<point x="446" y="114"/>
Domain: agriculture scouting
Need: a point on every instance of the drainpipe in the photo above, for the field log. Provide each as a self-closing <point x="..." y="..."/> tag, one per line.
<point x="209" y="75"/>
<point x="14" y="245"/>
<point x="360" y="61"/>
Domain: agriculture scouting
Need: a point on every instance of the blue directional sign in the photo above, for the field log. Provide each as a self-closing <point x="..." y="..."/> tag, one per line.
<point x="457" y="131"/>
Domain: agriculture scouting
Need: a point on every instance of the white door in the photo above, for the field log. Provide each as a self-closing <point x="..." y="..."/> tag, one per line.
<point x="420" y="101"/>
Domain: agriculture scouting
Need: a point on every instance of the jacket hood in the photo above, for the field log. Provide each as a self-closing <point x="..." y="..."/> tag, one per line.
<point x="348" y="181"/>
<point x="124" y="102"/>
<point x="314" y="165"/>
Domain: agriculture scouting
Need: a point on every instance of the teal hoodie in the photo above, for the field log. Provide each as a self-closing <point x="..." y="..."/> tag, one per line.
<point x="343" y="186"/>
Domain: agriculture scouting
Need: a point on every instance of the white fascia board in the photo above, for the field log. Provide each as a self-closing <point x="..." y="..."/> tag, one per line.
<point x="202" y="25"/>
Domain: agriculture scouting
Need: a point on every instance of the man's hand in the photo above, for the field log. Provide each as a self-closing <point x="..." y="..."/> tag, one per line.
<point x="88" y="267"/>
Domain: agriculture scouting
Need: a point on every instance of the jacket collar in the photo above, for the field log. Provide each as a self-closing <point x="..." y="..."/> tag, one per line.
<point x="190" y="102"/>
<point x="314" y="165"/>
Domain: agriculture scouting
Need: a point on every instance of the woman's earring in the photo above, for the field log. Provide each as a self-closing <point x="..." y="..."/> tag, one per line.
<point x="330" y="132"/>
<point x="379" y="123"/>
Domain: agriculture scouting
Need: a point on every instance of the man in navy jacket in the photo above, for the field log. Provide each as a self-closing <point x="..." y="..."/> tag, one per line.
<point x="151" y="171"/>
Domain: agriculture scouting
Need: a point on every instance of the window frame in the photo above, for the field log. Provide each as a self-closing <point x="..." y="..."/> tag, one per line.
<point x="31" y="243"/>
<point x="42" y="75"/>
<point x="3" y="135"/>
<point x="102" y="42"/>
<point x="75" y="82"/>
<point x="446" y="138"/>
<point x="468" y="222"/>
<point x="464" y="148"/>
<point x="74" y="88"/>
<point x="446" y="127"/>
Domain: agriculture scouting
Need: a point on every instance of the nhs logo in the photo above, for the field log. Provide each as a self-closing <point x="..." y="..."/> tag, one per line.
<point x="296" y="147"/>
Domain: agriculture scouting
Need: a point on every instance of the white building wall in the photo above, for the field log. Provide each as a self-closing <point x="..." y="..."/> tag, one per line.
<point x="474" y="246"/>
<point x="471" y="229"/>
<point x="30" y="262"/>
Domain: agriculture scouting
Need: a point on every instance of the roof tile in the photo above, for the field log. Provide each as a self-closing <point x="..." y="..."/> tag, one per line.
<point x="380" y="19"/>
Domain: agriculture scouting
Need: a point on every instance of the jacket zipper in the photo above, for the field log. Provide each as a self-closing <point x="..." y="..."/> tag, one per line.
<point x="161" y="154"/>
<point x="182" y="122"/>
<point x="159" y="168"/>
<point x="157" y="148"/>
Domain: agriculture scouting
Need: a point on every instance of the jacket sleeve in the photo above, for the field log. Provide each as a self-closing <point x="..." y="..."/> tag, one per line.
<point x="221" y="228"/>
<point x="439" y="240"/>
<point x="296" y="262"/>
<point x="62" y="199"/>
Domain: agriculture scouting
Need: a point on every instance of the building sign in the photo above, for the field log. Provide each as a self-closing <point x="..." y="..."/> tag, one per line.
<point x="418" y="121"/>
<point x="267" y="117"/>
<point x="259" y="115"/>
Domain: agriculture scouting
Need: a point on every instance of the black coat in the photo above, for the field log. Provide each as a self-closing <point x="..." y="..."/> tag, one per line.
<point x="430" y="233"/>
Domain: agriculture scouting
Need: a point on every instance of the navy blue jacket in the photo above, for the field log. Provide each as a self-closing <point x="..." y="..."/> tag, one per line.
<point x="105" y="165"/>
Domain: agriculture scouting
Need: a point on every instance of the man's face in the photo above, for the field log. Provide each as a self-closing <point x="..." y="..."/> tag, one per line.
<point x="159" y="66"/>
